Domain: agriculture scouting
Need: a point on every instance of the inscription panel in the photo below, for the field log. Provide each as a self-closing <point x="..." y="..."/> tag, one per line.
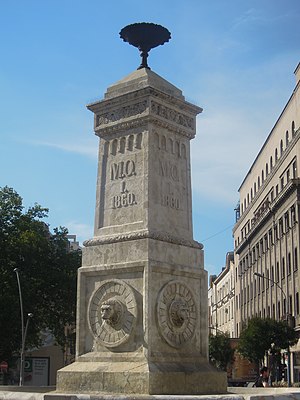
<point x="171" y="188"/>
<point x="122" y="183"/>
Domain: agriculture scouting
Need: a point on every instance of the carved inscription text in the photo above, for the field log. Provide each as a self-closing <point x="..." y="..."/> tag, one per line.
<point x="124" y="112"/>
<point x="168" y="196"/>
<point x="171" y="115"/>
<point x="121" y="171"/>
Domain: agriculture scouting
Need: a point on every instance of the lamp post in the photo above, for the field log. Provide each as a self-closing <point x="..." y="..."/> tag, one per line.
<point x="288" y="375"/>
<point x="23" y="331"/>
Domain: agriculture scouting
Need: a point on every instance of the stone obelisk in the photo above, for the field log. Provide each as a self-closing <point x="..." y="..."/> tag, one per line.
<point x="142" y="295"/>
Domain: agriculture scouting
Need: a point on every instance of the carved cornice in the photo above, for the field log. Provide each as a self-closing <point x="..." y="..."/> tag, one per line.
<point x="144" y="234"/>
<point x="121" y="113"/>
<point x="107" y="105"/>
<point x="141" y="121"/>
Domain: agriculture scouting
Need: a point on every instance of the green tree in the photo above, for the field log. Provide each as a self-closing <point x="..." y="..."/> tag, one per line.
<point x="261" y="335"/>
<point x="47" y="271"/>
<point x="220" y="352"/>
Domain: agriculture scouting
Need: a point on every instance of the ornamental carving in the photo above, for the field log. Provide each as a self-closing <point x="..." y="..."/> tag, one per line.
<point x="121" y="113"/>
<point x="172" y="115"/>
<point x="176" y="314"/>
<point x="143" y="234"/>
<point x="112" y="313"/>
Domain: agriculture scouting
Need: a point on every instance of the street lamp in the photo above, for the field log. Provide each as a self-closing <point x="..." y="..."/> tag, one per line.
<point x="23" y="331"/>
<point x="287" y="320"/>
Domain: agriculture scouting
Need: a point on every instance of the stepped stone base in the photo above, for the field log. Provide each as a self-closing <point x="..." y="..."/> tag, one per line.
<point x="141" y="378"/>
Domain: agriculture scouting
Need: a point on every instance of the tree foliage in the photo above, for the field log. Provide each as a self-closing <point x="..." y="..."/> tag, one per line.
<point x="220" y="351"/>
<point x="261" y="335"/>
<point x="47" y="271"/>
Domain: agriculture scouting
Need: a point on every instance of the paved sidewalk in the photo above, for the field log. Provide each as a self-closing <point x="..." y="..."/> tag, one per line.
<point x="233" y="393"/>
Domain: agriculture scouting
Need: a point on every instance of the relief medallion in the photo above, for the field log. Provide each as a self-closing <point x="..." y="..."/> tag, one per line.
<point x="112" y="313"/>
<point x="176" y="313"/>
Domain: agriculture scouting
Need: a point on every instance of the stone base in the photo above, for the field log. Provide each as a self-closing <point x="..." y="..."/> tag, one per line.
<point x="141" y="378"/>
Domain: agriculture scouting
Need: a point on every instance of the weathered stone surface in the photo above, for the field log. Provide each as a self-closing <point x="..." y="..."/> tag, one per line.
<point x="142" y="293"/>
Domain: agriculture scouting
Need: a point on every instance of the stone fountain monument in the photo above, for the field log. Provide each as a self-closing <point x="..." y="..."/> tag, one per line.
<point x="142" y="325"/>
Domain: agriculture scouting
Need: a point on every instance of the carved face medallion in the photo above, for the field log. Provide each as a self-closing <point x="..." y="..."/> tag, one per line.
<point x="112" y="313"/>
<point x="176" y="314"/>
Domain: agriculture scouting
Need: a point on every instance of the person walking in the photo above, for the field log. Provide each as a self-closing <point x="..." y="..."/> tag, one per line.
<point x="263" y="379"/>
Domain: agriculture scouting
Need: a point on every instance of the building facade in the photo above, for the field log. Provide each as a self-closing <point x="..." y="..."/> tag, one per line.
<point x="221" y="299"/>
<point x="266" y="234"/>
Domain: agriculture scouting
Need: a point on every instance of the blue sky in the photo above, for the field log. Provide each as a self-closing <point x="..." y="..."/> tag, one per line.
<point x="234" y="58"/>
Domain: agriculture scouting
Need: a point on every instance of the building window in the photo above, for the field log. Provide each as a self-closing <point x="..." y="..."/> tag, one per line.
<point x="267" y="170"/>
<point x="271" y="163"/>
<point x="273" y="310"/>
<point x="278" y="310"/>
<point x="289" y="264"/>
<point x="262" y="177"/>
<point x="270" y="237"/>
<point x="258" y="182"/>
<point x="277" y="272"/>
<point x="276" y="155"/>
<point x="286" y="138"/>
<point x="297" y="303"/>
<point x="295" y="169"/>
<point x="287" y="221"/>
<point x="266" y="242"/>
<point x="284" y="307"/>
<point x="282" y="182"/>
<point x="293" y="215"/>
<point x="295" y="259"/>
<point x="275" y="232"/>
<point x="280" y="227"/>
<point x="261" y="247"/>
<point x="291" y="305"/>
<point x="281" y="147"/>
<point x="287" y="176"/>
<point x="293" y="128"/>
<point x="283" y="268"/>
<point x="276" y="190"/>
<point x="272" y="275"/>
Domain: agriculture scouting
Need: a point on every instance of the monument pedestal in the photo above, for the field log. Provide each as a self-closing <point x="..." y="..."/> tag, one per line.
<point x="141" y="378"/>
<point x="142" y="323"/>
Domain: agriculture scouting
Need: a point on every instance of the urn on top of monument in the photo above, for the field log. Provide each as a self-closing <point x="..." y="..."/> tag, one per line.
<point x="145" y="36"/>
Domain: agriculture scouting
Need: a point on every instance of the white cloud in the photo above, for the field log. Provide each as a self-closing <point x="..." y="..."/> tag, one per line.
<point x="82" y="231"/>
<point x="87" y="148"/>
<point x="248" y="17"/>
<point x="239" y="112"/>
<point x="226" y="144"/>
